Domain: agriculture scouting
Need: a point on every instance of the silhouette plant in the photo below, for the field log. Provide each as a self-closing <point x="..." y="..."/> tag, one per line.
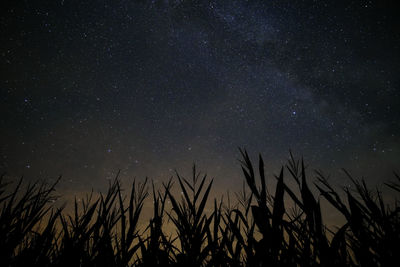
<point x="284" y="228"/>
<point x="190" y="221"/>
<point x="20" y="212"/>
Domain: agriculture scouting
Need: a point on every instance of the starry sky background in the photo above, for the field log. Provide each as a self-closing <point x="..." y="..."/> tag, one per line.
<point x="91" y="87"/>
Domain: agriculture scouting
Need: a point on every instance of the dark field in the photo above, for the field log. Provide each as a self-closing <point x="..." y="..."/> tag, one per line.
<point x="280" y="226"/>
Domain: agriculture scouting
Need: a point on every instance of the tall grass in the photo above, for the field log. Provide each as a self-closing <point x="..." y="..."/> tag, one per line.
<point x="280" y="226"/>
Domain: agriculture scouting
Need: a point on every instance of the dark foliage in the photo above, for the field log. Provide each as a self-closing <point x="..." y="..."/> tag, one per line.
<point x="263" y="229"/>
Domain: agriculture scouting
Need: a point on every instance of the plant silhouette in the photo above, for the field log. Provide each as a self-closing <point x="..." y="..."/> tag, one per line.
<point x="285" y="228"/>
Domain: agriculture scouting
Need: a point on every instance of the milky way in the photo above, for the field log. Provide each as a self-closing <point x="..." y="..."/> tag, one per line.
<point x="150" y="86"/>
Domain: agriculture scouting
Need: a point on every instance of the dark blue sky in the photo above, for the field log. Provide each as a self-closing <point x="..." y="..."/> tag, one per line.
<point x="88" y="88"/>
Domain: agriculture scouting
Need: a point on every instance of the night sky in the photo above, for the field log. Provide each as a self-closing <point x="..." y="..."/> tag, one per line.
<point x="91" y="87"/>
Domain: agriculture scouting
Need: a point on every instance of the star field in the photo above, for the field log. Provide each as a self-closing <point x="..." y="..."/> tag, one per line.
<point x="150" y="86"/>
